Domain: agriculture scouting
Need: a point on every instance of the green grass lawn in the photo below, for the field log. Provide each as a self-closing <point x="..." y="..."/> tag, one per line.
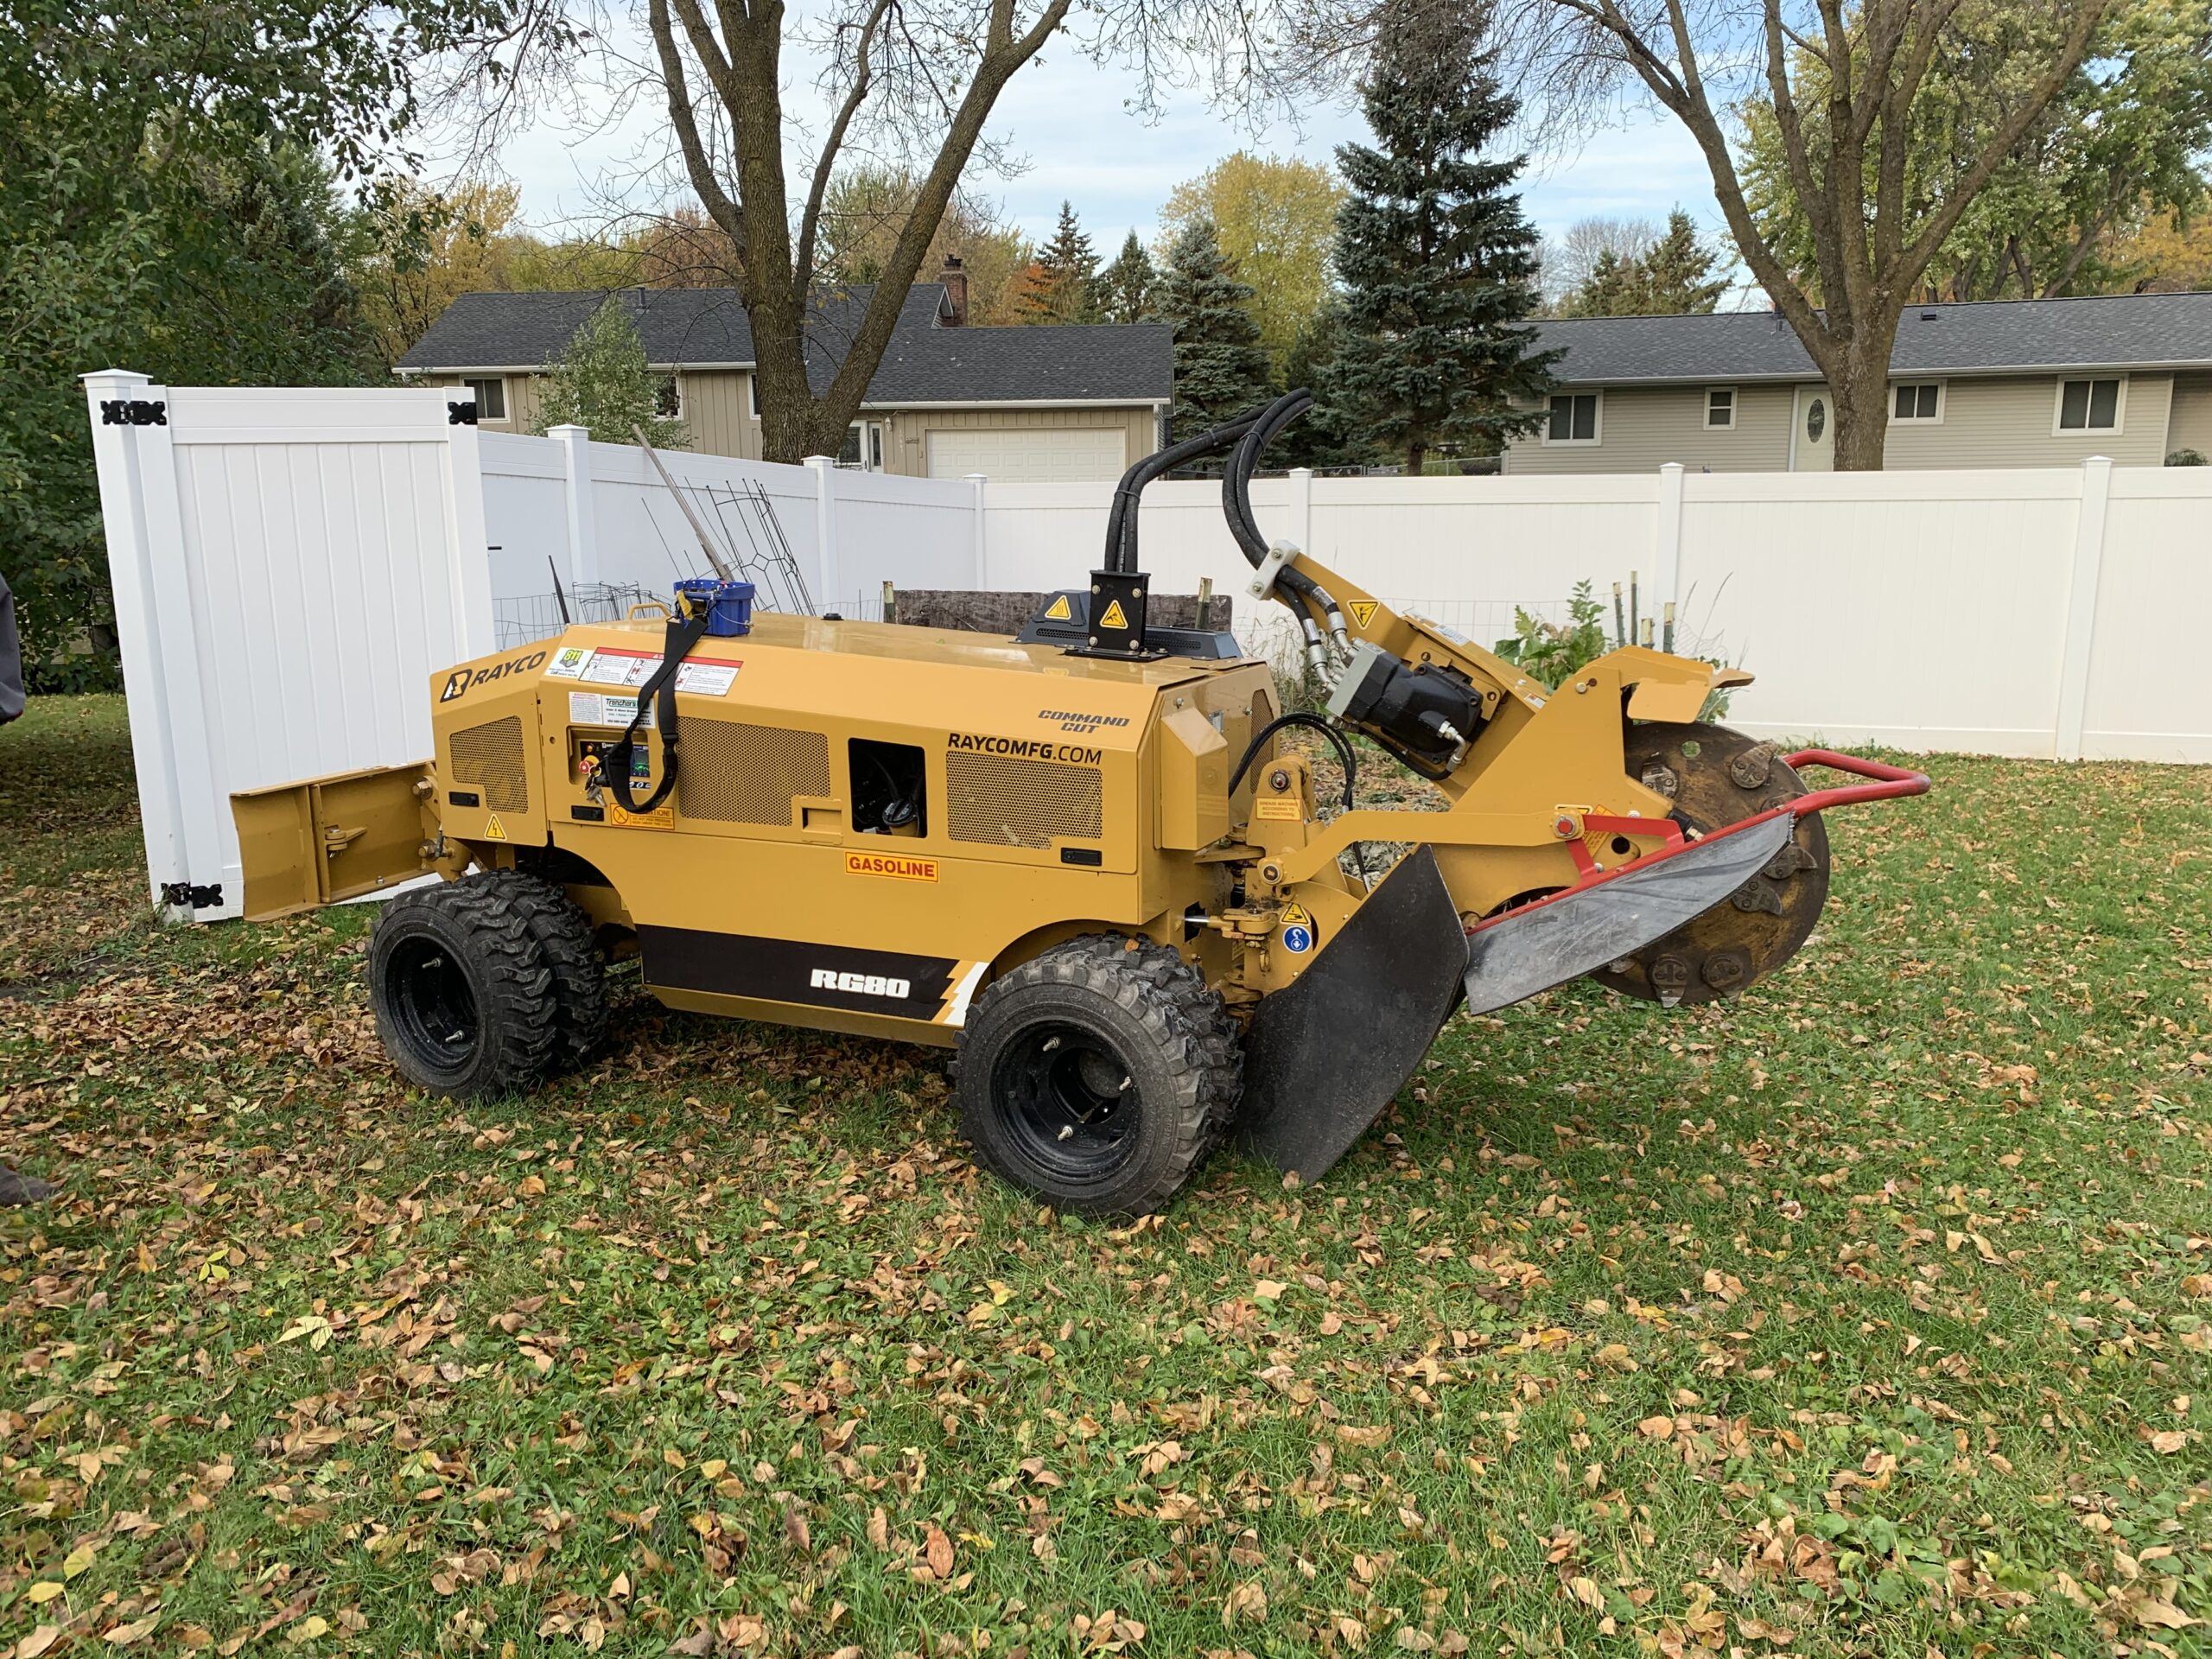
<point x="1865" y="1315"/>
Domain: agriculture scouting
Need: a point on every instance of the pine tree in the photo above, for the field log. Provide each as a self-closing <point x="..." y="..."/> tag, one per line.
<point x="1328" y="435"/>
<point x="1678" y="274"/>
<point x="1615" y="288"/>
<point x="1221" y="369"/>
<point x="1067" y="290"/>
<point x="1125" y="287"/>
<point x="1437" y="264"/>
<point x="601" y="380"/>
<point x="1672" y="277"/>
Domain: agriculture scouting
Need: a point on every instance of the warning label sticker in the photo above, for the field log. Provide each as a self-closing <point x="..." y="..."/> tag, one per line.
<point x="616" y="668"/>
<point x="891" y="864"/>
<point x="1363" y="610"/>
<point x="569" y="662"/>
<point x="1299" y="932"/>
<point x="706" y="679"/>
<point x="494" y="829"/>
<point x="1278" y="808"/>
<point x="1058" y="610"/>
<point x="1114" y="617"/>
<point x="661" y="817"/>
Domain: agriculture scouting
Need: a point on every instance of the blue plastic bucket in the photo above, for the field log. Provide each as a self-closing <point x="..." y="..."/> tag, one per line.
<point x="729" y="605"/>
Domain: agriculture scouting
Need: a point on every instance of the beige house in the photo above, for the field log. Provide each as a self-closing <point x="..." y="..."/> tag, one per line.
<point x="2014" y="383"/>
<point x="1032" y="405"/>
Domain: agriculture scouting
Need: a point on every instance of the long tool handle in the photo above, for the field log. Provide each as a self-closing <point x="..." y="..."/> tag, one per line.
<point x="706" y="543"/>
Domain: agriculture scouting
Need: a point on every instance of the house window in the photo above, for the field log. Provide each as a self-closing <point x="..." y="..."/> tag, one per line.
<point x="1720" y="409"/>
<point x="2091" y="405"/>
<point x="668" y="398"/>
<point x="1920" y="400"/>
<point x="491" y="398"/>
<point x="753" y="388"/>
<point x="1575" y="418"/>
<point x="862" y="449"/>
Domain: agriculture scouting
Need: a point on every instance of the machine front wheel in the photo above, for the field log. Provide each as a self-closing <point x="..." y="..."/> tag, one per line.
<point x="1099" y="1075"/>
<point x="465" y="999"/>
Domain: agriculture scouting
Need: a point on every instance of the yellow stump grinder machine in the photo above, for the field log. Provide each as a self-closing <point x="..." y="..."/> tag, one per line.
<point x="1083" y="857"/>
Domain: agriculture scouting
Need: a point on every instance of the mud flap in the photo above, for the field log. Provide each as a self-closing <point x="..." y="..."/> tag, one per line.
<point x="1327" y="1053"/>
<point x="1525" y="951"/>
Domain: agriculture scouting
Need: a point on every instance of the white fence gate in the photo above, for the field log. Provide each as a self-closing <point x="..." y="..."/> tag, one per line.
<point x="292" y="566"/>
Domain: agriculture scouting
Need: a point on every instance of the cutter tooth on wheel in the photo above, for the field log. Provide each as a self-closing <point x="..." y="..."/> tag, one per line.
<point x="1716" y="777"/>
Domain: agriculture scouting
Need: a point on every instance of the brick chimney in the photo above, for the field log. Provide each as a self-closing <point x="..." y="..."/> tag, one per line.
<point x="956" y="291"/>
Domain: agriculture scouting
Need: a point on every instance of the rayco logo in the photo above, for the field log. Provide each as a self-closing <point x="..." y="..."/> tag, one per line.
<point x="829" y="979"/>
<point x="462" y="681"/>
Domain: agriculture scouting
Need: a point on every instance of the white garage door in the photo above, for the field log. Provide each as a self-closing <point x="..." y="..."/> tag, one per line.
<point x="1050" y="454"/>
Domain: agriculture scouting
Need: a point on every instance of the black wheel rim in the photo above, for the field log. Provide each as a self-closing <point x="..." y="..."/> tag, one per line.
<point x="1067" y="1100"/>
<point x="436" y="1007"/>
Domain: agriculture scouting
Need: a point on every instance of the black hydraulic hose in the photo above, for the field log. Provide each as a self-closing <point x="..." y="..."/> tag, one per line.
<point x="1237" y="477"/>
<point x="1300" y="718"/>
<point x="1121" y="519"/>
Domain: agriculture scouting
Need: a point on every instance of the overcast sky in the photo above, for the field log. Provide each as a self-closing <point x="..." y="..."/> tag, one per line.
<point x="1069" y="118"/>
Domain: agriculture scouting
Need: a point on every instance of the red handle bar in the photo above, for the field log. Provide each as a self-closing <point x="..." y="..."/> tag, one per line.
<point x="1891" y="781"/>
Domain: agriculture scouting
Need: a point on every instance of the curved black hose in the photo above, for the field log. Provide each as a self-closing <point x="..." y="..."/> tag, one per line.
<point x="1121" y="519"/>
<point x="1300" y="718"/>
<point x="1237" y="477"/>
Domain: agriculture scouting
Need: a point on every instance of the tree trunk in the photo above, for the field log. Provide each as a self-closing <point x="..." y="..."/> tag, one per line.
<point x="1416" y="458"/>
<point x="1858" y="386"/>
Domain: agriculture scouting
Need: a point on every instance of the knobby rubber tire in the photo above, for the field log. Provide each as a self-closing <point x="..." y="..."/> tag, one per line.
<point x="1155" y="1009"/>
<point x="564" y="935"/>
<point x="479" y="927"/>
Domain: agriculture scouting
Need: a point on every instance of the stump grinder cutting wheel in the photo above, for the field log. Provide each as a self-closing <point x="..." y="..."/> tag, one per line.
<point x="1083" y="857"/>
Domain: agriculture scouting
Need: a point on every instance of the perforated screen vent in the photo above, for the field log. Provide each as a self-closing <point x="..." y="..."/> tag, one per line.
<point x="1002" y="800"/>
<point x="490" y="756"/>
<point x="729" y="772"/>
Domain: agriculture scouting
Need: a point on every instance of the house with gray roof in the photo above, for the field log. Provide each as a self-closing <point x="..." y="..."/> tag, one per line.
<point x="2007" y="383"/>
<point x="1037" y="404"/>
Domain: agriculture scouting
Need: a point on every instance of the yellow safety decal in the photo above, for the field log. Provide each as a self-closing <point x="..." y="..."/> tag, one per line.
<point x="1057" y="611"/>
<point x="1278" y="807"/>
<point x="1296" y="915"/>
<point x="1362" y="611"/>
<point x="661" y="817"/>
<point x="494" y="829"/>
<point x="1114" y="618"/>
<point x="905" y="869"/>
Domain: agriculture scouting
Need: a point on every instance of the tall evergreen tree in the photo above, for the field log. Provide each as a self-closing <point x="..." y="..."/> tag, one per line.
<point x="1437" y="264"/>
<point x="1221" y="368"/>
<point x="1672" y="277"/>
<point x="1678" y="271"/>
<point x="1125" y="287"/>
<point x="1067" y="268"/>
<point x="1330" y="434"/>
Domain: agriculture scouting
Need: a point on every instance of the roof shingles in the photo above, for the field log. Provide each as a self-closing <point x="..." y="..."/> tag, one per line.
<point x="1993" y="337"/>
<point x="923" y="363"/>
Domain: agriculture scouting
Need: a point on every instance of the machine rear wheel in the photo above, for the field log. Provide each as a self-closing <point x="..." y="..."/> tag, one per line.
<point x="464" y="999"/>
<point x="563" y="933"/>
<point x="1099" y="1075"/>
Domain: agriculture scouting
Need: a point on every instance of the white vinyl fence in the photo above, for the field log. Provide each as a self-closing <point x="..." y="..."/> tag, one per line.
<point x="290" y="567"/>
